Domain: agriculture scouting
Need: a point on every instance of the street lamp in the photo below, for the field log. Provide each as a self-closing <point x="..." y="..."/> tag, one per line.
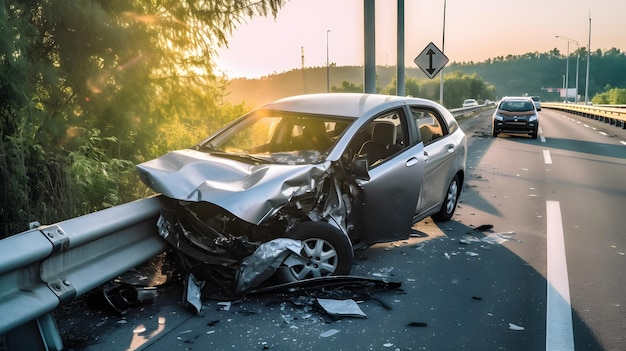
<point x="569" y="40"/>
<point x="327" y="64"/>
<point x="443" y="47"/>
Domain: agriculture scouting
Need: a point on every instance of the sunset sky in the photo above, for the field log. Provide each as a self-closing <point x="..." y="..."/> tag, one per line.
<point x="475" y="30"/>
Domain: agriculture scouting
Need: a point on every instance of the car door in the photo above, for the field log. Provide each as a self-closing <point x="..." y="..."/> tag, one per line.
<point x="389" y="195"/>
<point x="439" y="151"/>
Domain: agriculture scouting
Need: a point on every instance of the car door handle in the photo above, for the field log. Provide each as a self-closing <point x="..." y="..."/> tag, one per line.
<point x="412" y="161"/>
<point x="450" y="148"/>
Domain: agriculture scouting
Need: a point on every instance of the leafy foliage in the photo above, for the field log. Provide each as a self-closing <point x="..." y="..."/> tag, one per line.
<point x="88" y="88"/>
<point x="614" y="96"/>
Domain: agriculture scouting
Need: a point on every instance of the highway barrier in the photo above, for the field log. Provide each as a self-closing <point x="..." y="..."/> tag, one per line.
<point x="612" y="115"/>
<point x="44" y="268"/>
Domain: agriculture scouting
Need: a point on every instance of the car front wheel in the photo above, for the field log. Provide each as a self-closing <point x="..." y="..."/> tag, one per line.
<point x="326" y="251"/>
<point x="534" y="134"/>
<point x="449" y="202"/>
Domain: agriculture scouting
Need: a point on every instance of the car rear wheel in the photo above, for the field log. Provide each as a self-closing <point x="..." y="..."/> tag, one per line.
<point x="327" y="251"/>
<point x="449" y="203"/>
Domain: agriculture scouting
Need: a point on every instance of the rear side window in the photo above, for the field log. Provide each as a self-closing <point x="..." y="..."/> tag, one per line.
<point x="430" y="125"/>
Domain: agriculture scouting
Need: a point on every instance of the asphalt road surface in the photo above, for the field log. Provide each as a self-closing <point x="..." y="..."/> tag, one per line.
<point x="547" y="273"/>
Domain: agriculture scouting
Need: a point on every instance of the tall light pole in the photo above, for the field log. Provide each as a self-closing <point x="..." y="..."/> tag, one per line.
<point x="443" y="46"/>
<point x="327" y="64"/>
<point x="588" y="57"/>
<point x="569" y="40"/>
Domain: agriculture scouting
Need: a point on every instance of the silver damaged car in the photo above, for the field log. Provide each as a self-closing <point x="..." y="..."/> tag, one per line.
<point x="334" y="172"/>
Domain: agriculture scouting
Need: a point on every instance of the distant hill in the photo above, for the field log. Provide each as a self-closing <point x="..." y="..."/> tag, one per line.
<point x="532" y="73"/>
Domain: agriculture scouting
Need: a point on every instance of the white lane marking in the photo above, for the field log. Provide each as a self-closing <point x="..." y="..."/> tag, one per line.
<point x="559" y="327"/>
<point x="546" y="157"/>
<point x="603" y="133"/>
<point x="623" y="142"/>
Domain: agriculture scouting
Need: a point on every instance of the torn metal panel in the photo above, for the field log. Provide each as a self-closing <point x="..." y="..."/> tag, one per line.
<point x="341" y="308"/>
<point x="261" y="265"/>
<point x="192" y="293"/>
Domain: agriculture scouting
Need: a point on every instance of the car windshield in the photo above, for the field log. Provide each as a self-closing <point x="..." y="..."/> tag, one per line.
<point x="278" y="137"/>
<point x="516" y="106"/>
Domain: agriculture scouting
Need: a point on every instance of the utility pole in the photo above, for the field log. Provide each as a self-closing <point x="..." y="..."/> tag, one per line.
<point x="588" y="58"/>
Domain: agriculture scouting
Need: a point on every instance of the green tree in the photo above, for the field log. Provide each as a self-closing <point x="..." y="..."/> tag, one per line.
<point x="347" y="87"/>
<point x="612" y="96"/>
<point x="90" y="87"/>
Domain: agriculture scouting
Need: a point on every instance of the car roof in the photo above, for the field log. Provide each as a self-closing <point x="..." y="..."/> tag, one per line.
<point x="340" y="104"/>
<point x="524" y="98"/>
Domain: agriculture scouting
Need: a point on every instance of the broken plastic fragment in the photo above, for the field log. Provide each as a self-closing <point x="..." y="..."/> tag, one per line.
<point x="118" y="298"/>
<point x="484" y="227"/>
<point x="225" y="305"/>
<point x="515" y="327"/>
<point x="344" y="308"/>
<point x="470" y="253"/>
<point x="329" y="333"/>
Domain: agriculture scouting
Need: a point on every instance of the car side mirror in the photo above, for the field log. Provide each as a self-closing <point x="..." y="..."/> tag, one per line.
<point x="360" y="169"/>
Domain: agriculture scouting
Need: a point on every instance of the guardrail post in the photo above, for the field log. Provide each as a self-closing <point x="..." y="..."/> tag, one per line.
<point x="39" y="334"/>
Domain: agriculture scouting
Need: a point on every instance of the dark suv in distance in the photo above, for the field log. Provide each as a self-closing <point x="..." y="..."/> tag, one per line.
<point x="516" y="115"/>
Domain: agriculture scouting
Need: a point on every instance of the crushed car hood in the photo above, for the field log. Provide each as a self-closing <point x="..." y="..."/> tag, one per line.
<point x="251" y="192"/>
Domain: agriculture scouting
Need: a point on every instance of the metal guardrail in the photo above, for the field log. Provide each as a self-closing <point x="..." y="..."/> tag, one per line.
<point x="43" y="268"/>
<point x="612" y="115"/>
<point x="456" y="112"/>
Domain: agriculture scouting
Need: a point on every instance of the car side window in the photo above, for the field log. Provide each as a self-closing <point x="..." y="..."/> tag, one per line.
<point x="379" y="139"/>
<point x="430" y="125"/>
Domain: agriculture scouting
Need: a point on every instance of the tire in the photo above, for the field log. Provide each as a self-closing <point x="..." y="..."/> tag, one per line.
<point x="450" y="200"/>
<point x="534" y="134"/>
<point x="494" y="133"/>
<point x="327" y="251"/>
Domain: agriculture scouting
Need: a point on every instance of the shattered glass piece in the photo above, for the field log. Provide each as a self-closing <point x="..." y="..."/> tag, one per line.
<point x="468" y="239"/>
<point x="259" y="266"/>
<point x="499" y="238"/>
<point x="344" y="308"/>
<point x="329" y="333"/>
<point x="139" y="329"/>
<point x="472" y="254"/>
<point x="388" y="344"/>
<point x="515" y="327"/>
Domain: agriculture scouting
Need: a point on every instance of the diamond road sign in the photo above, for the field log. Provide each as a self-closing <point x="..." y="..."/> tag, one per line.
<point x="431" y="60"/>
